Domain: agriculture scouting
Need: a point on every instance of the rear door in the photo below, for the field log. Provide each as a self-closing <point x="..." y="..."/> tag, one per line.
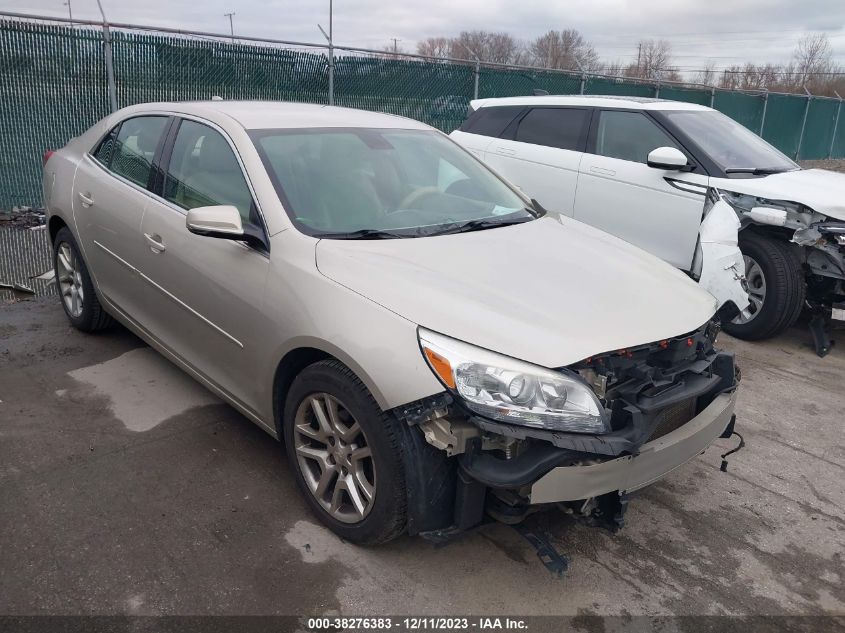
<point x="209" y="293"/>
<point x="109" y="198"/>
<point x="658" y="210"/>
<point x="540" y="153"/>
<point x="482" y="126"/>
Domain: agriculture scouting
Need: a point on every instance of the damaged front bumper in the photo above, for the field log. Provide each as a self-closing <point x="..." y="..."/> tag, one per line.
<point x="667" y="402"/>
<point x="654" y="460"/>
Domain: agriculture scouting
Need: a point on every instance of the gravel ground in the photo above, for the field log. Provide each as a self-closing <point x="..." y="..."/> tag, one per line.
<point x="836" y="164"/>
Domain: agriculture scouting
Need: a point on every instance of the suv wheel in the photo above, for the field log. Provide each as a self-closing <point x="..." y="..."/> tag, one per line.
<point x="345" y="454"/>
<point x="775" y="287"/>
<point x="75" y="287"/>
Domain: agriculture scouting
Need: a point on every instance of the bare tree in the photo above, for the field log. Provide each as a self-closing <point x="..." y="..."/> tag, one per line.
<point x="500" y="47"/>
<point x="706" y="76"/>
<point x="394" y="51"/>
<point x="654" y="61"/>
<point x="753" y="77"/>
<point x="565" y="49"/>
<point x="435" y="47"/>
<point x="812" y="61"/>
<point x="615" y="68"/>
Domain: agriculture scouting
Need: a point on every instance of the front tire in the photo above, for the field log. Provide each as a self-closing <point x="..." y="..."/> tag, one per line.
<point x="775" y="286"/>
<point x="345" y="454"/>
<point x="74" y="285"/>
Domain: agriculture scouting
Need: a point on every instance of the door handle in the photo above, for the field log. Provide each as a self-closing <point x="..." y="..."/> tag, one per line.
<point x="155" y="243"/>
<point x="602" y="170"/>
<point x="507" y="151"/>
<point x="86" y="199"/>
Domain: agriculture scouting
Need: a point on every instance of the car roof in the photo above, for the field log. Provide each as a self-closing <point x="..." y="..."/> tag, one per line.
<point x="601" y="101"/>
<point x="254" y="115"/>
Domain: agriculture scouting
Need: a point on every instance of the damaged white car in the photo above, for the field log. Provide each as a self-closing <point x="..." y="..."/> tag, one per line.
<point x="431" y="345"/>
<point x="653" y="172"/>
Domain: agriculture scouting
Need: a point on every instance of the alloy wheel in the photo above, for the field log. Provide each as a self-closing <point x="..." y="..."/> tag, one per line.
<point x="334" y="457"/>
<point x="756" y="289"/>
<point x="69" y="277"/>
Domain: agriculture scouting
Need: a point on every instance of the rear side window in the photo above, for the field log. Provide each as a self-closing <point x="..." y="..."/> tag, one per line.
<point x="135" y="146"/>
<point x="203" y="171"/>
<point x="490" y="121"/>
<point x="629" y="136"/>
<point x="564" y="128"/>
<point x="103" y="152"/>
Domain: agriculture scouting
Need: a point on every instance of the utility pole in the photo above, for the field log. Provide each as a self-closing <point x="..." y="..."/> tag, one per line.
<point x="639" y="56"/>
<point x="395" y="48"/>
<point x="329" y="37"/>
<point x="69" y="11"/>
<point x="231" y="24"/>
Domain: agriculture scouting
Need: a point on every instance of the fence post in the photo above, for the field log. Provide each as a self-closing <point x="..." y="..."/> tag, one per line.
<point x="803" y="123"/>
<point x="107" y="53"/>
<point x="657" y="90"/>
<point x="712" y="96"/>
<point x="835" y="126"/>
<point x="763" y="118"/>
<point x="477" y="73"/>
<point x="583" y="83"/>
<point x="331" y="74"/>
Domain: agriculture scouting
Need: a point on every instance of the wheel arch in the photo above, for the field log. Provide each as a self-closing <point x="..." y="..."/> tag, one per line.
<point x="299" y="356"/>
<point x="54" y="225"/>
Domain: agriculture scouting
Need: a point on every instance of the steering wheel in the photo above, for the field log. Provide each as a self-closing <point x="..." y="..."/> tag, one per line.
<point x="416" y="195"/>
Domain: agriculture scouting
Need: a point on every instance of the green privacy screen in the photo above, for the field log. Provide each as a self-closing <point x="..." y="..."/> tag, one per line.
<point x="741" y="107"/>
<point x="819" y="130"/>
<point x="53" y="85"/>
<point x="784" y="117"/>
<point x="46" y="98"/>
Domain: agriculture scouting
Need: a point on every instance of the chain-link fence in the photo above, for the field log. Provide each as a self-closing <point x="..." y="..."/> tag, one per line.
<point x="54" y="84"/>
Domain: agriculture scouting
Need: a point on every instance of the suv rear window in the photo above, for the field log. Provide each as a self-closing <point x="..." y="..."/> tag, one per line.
<point x="564" y="128"/>
<point x="490" y="121"/>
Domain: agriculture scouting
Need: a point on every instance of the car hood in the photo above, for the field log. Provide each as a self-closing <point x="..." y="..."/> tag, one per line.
<point x="551" y="291"/>
<point x="821" y="190"/>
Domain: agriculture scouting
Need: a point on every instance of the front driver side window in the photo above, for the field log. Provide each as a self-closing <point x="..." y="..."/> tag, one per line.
<point x="629" y="136"/>
<point x="203" y="171"/>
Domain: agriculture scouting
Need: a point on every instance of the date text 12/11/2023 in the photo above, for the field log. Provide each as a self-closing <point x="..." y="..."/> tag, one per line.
<point x="428" y="623"/>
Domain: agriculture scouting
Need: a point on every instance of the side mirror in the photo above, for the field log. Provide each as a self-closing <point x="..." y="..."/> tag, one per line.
<point x="667" y="158"/>
<point x="220" y="221"/>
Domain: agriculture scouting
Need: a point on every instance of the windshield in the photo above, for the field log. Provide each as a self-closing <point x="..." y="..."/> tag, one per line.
<point x="375" y="183"/>
<point x="729" y="144"/>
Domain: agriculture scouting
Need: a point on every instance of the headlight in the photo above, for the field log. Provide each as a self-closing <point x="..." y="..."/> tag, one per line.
<point x="510" y="390"/>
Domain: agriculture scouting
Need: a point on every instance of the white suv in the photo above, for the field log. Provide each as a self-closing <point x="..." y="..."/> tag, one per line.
<point x="644" y="169"/>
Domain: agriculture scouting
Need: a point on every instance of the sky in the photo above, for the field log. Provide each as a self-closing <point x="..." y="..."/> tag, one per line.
<point x="720" y="32"/>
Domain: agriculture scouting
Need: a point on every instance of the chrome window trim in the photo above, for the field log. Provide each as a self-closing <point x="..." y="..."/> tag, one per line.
<point x="197" y="119"/>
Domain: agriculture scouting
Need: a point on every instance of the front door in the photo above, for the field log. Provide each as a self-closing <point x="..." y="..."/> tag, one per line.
<point x="209" y="309"/>
<point x="619" y="193"/>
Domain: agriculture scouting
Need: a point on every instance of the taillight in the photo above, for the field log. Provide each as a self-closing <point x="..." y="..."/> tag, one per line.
<point x="46" y="156"/>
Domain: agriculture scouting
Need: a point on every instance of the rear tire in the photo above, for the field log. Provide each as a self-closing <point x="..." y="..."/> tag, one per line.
<point x="323" y="455"/>
<point x="774" y="264"/>
<point x="74" y="285"/>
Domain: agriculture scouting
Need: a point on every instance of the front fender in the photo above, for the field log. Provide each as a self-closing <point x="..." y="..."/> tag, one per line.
<point x="722" y="271"/>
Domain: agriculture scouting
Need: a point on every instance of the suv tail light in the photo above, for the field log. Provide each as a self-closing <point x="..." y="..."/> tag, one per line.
<point x="46" y="156"/>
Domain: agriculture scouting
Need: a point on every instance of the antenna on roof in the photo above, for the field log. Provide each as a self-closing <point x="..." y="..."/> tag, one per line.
<point x="217" y="98"/>
<point x="539" y="92"/>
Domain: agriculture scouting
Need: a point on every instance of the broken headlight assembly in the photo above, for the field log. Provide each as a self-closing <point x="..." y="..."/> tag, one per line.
<point x="508" y="390"/>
